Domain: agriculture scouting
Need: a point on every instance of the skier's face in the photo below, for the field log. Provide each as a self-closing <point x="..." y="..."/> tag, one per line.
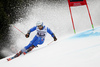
<point x="40" y="27"/>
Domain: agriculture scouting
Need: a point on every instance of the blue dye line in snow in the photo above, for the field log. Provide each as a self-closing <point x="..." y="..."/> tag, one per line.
<point x="89" y="33"/>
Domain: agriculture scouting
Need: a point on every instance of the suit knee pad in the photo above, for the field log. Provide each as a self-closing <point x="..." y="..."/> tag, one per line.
<point x="24" y="50"/>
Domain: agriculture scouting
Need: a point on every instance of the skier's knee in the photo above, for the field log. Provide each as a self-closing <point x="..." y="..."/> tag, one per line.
<point x="24" y="50"/>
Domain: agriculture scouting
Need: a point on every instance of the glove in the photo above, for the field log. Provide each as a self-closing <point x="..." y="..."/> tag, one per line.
<point x="27" y="35"/>
<point x="54" y="38"/>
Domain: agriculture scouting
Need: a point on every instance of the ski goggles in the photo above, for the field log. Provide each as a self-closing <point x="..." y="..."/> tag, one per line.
<point x="39" y="26"/>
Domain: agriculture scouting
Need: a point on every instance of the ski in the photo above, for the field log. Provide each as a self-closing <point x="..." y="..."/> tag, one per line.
<point x="17" y="55"/>
<point x="9" y="59"/>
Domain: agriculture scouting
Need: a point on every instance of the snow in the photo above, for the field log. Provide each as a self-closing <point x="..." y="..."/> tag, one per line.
<point x="70" y="50"/>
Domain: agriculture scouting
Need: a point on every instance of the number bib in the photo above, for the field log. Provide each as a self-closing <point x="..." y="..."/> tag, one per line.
<point x="41" y="33"/>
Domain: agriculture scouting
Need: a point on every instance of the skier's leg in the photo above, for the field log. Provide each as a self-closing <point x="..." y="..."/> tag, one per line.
<point x="30" y="46"/>
<point x="31" y="43"/>
<point x="28" y="50"/>
<point x="36" y="40"/>
<point x="17" y="54"/>
<point x="39" y="41"/>
<point x="24" y="50"/>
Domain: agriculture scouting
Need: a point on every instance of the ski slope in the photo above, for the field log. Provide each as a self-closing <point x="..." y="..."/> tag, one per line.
<point x="70" y="50"/>
<point x="80" y="50"/>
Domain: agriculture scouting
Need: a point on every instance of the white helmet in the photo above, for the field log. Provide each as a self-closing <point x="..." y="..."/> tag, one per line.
<point x="39" y="23"/>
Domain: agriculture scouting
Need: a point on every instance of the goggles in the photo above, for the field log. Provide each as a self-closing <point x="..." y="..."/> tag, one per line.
<point x="39" y="26"/>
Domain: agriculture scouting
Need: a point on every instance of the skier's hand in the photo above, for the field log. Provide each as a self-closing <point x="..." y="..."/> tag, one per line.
<point x="54" y="38"/>
<point x="27" y="35"/>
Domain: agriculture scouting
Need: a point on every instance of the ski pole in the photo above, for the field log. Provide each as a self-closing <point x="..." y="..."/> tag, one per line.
<point x="18" y="30"/>
<point x="50" y="42"/>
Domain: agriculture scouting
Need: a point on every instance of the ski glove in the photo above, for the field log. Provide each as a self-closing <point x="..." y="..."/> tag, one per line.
<point x="27" y="35"/>
<point x="54" y="38"/>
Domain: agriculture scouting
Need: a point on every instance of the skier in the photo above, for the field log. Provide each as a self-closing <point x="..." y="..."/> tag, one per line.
<point x="38" y="39"/>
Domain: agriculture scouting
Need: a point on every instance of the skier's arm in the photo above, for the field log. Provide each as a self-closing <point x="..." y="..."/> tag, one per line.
<point x="52" y="34"/>
<point x="31" y="30"/>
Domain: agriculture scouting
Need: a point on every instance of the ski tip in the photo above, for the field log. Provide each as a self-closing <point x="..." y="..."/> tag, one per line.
<point x="24" y="53"/>
<point x="8" y="59"/>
